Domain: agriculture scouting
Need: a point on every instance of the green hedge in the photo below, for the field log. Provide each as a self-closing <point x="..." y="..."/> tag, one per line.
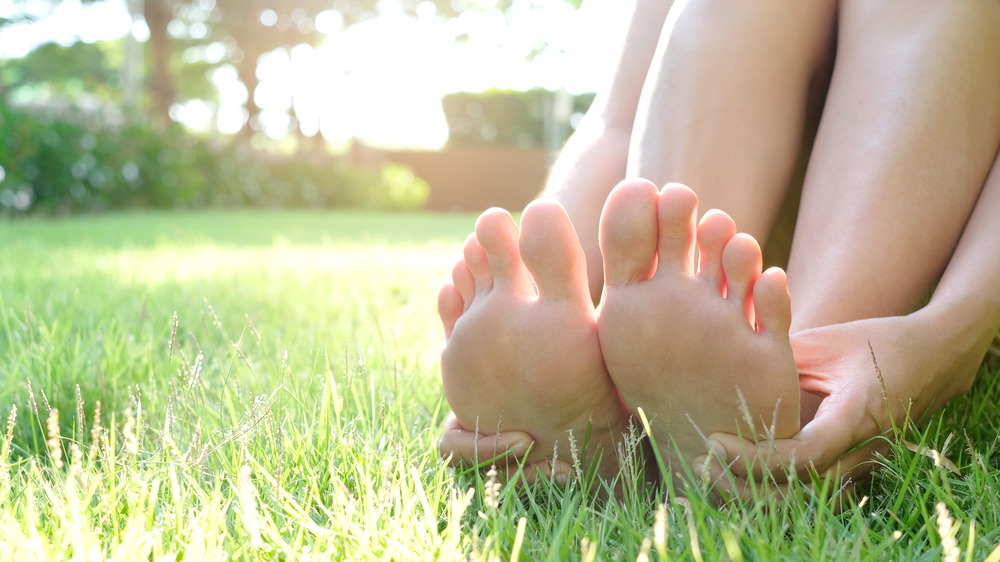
<point x="503" y="117"/>
<point x="61" y="166"/>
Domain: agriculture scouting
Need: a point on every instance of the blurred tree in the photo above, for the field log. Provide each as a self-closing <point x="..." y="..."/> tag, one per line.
<point x="25" y="12"/>
<point x="242" y="30"/>
<point x="259" y="26"/>
<point x="28" y="11"/>
<point x="71" y="71"/>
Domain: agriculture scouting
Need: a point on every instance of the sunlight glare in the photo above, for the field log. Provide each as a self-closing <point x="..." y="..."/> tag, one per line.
<point x="380" y="80"/>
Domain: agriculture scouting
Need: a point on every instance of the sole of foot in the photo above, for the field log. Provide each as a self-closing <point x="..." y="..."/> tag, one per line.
<point x="700" y="349"/>
<point x="521" y="349"/>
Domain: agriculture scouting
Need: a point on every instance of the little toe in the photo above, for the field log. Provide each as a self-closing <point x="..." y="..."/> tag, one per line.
<point x="450" y="307"/>
<point x="741" y="262"/>
<point x="772" y="303"/>
<point x="478" y="264"/>
<point x="714" y="231"/>
<point x="628" y="232"/>
<point x="552" y="253"/>
<point x="498" y="236"/>
<point x="676" y="212"/>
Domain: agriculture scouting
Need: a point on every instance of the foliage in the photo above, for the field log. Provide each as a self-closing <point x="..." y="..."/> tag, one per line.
<point x="28" y="11"/>
<point x="504" y="117"/>
<point x="70" y="71"/>
<point x="292" y="410"/>
<point x="61" y="165"/>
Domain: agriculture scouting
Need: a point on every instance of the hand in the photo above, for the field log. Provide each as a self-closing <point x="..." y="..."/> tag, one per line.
<point x="506" y="450"/>
<point x="874" y="376"/>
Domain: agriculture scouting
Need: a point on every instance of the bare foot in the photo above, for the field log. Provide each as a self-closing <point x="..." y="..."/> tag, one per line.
<point x="681" y="344"/>
<point x="517" y="359"/>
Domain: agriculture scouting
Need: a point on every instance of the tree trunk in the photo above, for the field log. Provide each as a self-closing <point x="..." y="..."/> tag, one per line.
<point x="158" y="14"/>
<point x="250" y="36"/>
<point x="247" y="72"/>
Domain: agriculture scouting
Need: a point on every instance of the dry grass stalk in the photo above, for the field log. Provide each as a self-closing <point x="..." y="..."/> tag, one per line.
<point x="253" y="329"/>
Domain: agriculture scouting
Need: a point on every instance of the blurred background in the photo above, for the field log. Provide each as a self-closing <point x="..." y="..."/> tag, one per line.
<point x="394" y="104"/>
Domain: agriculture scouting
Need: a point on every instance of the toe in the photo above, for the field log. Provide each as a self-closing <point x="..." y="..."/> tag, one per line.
<point x="450" y="307"/>
<point x="741" y="263"/>
<point x="478" y="264"/>
<point x="552" y="253"/>
<point x="498" y="236"/>
<point x="676" y="212"/>
<point x="628" y="232"/>
<point x="463" y="281"/>
<point x="716" y="228"/>
<point x="772" y="304"/>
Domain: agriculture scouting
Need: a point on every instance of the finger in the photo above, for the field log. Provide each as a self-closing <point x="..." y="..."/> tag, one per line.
<point x="818" y="446"/>
<point x="463" y="447"/>
<point x="727" y="487"/>
<point x="528" y="474"/>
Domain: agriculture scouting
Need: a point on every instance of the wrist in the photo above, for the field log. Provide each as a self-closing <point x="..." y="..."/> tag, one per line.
<point x="958" y="329"/>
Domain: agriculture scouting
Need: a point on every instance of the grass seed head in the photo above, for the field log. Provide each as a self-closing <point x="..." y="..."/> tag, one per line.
<point x="9" y="434"/>
<point x="491" y="489"/>
<point x="79" y="410"/>
<point x="34" y="403"/>
<point x="173" y="336"/>
<point x="128" y="431"/>
<point x="5" y="450"/>
<point x="55" y="440"/>
<point x="76" y="462"/>
<point x="947" y="529"/>
<point x="96" y="430"/>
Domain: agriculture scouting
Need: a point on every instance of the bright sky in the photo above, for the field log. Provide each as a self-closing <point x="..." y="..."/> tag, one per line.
<point x="382" y="80"/>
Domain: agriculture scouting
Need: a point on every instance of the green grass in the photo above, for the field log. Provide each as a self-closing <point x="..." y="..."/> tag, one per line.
<point x="294" y="407"/>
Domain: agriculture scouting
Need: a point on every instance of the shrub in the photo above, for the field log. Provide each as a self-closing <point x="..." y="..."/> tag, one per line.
<point x="59" y="166"/>
<point x="504" y="117"/>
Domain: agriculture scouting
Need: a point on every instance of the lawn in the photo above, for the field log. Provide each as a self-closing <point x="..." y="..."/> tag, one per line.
<point x="254" y="385"/>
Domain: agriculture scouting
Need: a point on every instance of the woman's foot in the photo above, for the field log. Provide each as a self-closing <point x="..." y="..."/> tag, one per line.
<point x="517" y="358"/>
<point x="681" y="342"/>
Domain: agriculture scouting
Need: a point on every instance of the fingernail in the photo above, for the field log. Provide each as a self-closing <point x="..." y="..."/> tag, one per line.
<point x="562" y="478"/>
<point x="716" y="448"/>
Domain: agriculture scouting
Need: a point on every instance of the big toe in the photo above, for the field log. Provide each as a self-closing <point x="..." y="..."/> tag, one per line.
<point x="628" y="232"/>
<point x="552" y="253"/>
<point x="676" y="212"/>
<point x="498" y="236"/>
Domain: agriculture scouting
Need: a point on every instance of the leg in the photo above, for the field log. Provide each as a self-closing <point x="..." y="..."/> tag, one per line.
<point x="910" y="129"/>
<point x="913" y="108"/>
<point x="683" y="345"/>
<point x="520" y="360"/>
<point x="593" y="160"/>
<point x="724" y="105"/>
